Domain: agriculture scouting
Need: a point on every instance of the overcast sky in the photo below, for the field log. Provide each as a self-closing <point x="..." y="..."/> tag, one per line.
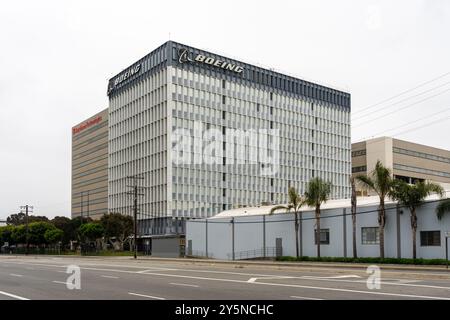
<point x="56" y="58"/>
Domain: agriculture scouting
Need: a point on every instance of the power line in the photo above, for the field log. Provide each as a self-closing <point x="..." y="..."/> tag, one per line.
<point x="402" y="93"/>
<point x="402" y="108"/>
<point x="418" y="120"/>
<point x="403" y="100"/>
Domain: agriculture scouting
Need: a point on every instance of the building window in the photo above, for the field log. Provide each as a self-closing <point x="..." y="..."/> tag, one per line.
<point x="224" y="176"/>
<point x="224" y="145"/>
<point x="312" y="133"/>
<point x="271" y="182"/>
<point x="324" y="236"/>
<point x="370" y="235"/>
<point x="313" y="173"/>
<point x="430" y="238"/>
<point x="224" y="207"/>
<point x="358" y="153"/>
<point x="359" y="169"/>
<point x="271" y="197"/>
<point x="271" y="124"/>
<point x="224" y="130"/>
<point x="224" y="192"/>
<point x="208" y="126"/>
<point x="223" y="115"/>
<point x="271" y="110"/>
<point x="312" y="160"/>
<point x="312" y="106"/>
<point x="257" y="107"/>
<point x="316" y="120"/>
<point x="223" y="100"/>
<point x="224" y="161"/>
<point x="271" y="96"/>
<point x="312" y="146"/>
<point x="223" y="84"/>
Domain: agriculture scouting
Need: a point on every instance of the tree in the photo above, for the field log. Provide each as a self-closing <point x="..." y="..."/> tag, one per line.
<point x="294" y="204"/>
<point x="75" y="225"/>
<point x="36" y="232"/>
<point x="412" y="196"/>
<point x="91" y="231"/>
<point x="118" y="227"/>
<point x="353" y="201"/>
<point x="317" y="192"/>
<point x="379" y="181"/>
<point x="18" y="235"/>
<point x="443" y="208"/>
<point x="6" y="235"/>
<point x="66" y="225"/>
<point x="53" y="236"/>
<point x="20" y="218"/>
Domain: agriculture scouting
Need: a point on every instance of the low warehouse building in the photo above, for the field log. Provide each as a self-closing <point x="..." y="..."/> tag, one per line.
<point x="247" y="233"/>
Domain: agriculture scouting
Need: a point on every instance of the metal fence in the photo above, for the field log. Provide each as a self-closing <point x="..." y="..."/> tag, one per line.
<point x="268" y="252"/>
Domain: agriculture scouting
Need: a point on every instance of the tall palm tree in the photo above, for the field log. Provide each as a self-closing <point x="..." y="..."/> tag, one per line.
<point x="442" y="208"/>
<point x="412" y="196"/>
<point x="317" y="192"/>
<point x="379" y="181"/>
<point x="295" y="203"/>
<point x="353" y="201"/>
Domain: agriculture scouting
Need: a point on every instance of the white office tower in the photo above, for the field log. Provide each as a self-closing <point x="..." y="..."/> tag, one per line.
<point x="205" y="133"/>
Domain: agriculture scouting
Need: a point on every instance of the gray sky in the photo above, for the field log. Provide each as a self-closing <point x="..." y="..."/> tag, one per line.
<point x="56" y="58"/>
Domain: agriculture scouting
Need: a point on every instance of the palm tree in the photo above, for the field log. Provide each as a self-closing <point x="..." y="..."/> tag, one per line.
<point x="317" y="192"/>
<point x="294" y="204"/>
<point x="379" y="181"/>
<point x="442" y="208"/>
<point x="412" y="196"/>
<point x="353" y="201"/>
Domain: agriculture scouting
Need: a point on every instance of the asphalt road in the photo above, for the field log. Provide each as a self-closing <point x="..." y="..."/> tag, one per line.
<point x="46" y="277"/>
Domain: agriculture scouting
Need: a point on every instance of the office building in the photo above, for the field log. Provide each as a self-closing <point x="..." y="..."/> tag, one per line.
<point x="206" y="133"/>
<point x="408" y="161"/>
<point x="90" y="167"/>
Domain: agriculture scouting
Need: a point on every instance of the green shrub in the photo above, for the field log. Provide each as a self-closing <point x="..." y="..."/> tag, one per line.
<point x="367" y="260"/>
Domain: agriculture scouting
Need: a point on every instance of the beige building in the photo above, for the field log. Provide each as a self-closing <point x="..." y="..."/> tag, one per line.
<point x="409" y="161"/>
<point x="90" y="167"/>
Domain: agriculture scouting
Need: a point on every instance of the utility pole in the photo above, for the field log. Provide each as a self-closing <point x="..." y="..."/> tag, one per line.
<point x="27" y="210"/>
<point x="88" y="203"/>
<point x="81" y="212"/>
<point x="135" y="193"/>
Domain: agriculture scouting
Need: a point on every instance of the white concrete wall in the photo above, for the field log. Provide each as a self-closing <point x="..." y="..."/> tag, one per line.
<point x="249" y="236"/>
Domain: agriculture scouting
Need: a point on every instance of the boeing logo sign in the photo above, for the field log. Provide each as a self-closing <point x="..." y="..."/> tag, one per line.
<point x="124" y="76"/>
<point x="184" y="56"/>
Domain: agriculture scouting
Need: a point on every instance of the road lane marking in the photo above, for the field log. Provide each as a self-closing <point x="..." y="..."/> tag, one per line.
<point x="243" y="281"/>
<point x="184" y="284"/>
<point x="15" y="275"/>
<point x="304" y="287"/>
<point x="297" y="267"/>
<point x="270" y="278"/>
<point x="110" y="277"/>
<point x="60" y="282"/>
<point x="305" y="298"/>
<point x="13" y="295"/>
<point x="331" y="277"/>
<point x="146" y="296"/>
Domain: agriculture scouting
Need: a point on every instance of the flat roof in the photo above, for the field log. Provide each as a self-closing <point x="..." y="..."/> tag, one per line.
<point x="331" y="204"/>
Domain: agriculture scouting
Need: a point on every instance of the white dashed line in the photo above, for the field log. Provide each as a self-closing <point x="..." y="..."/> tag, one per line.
<point x="184" y="284"/>
<point x="146" y="296"/>
<point x="13" y="296"/>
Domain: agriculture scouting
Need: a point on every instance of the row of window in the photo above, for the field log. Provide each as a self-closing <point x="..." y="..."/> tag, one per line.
<point x="371" y="235"/>
<point x="422" y="155"/>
